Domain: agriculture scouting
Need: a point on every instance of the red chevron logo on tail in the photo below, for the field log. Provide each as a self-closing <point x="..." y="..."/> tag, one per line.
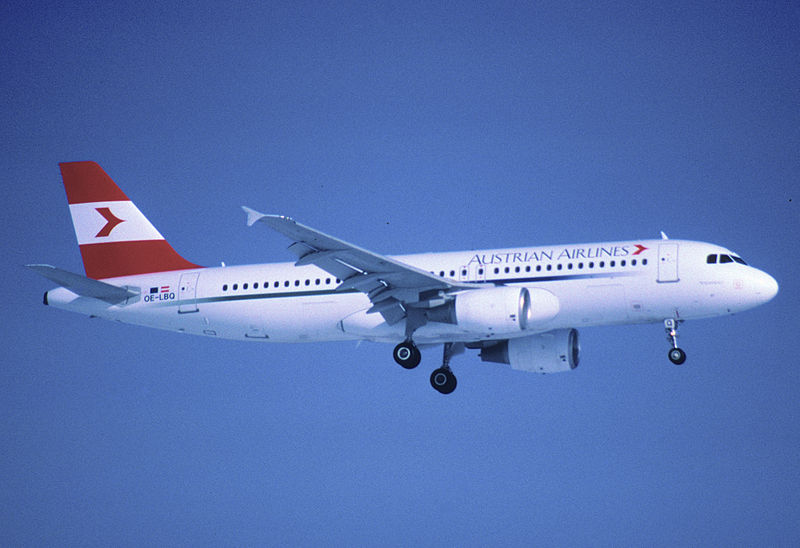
<point x="112" y="223"/>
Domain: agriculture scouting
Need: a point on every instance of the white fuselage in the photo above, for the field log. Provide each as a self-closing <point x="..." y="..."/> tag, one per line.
<point x="594" y="284"/>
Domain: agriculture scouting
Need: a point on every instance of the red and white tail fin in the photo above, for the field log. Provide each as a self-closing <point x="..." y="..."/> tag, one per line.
<point x="114" y="237"/>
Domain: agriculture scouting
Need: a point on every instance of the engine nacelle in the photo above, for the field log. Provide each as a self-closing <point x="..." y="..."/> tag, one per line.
<point x="494" y="310"/>
<point x="550" y="352"/>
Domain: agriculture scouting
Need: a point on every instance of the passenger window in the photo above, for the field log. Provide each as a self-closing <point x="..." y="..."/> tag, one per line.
<point x="516" y="269"/>
<point x="711" y="259"/>
<point x="644" y="261"/>
<point x="296" y="283"/>
<point x="452" y="273"/>
<point x="480" y="272"/>
<point x="235" y="287"/>
<point x="286" y="283"/>
<point x="225" y="287"/>
<point x="255" y="285"/>
<point x="725" y="259"/>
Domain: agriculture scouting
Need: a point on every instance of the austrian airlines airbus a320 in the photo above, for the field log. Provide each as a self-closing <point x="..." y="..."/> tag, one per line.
<point x="518" y="306"/>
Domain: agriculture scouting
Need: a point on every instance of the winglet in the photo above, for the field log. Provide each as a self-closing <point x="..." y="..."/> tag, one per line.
<point x="253" y="216"/>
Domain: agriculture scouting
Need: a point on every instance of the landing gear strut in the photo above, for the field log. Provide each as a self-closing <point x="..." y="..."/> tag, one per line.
<point x="676" y="355"/>
<point x="443" y="380"/>
<point x="407" y="354"/>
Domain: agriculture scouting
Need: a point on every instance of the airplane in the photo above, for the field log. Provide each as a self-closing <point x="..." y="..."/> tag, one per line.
<point x="520" y="306"/>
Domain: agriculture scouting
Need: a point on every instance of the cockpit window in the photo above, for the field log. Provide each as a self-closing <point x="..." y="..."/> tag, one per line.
<point x="712" y="259"/>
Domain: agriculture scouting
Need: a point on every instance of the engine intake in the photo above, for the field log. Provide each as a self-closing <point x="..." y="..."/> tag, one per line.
<point x="550" y="352"/>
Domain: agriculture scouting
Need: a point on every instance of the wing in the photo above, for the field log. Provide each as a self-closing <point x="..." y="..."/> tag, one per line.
<point x="396" y="289"/>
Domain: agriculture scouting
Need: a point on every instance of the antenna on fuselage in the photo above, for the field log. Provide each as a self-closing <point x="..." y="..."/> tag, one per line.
<point x="664" y="236"/>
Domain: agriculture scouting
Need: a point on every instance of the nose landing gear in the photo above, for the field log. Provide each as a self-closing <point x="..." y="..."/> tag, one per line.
<point x="676" y="355"/>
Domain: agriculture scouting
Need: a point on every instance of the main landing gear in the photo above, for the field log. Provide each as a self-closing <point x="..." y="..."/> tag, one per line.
<point x="443" y="380"/>
<point x="407" y="354"/>
<point x="676" y="355"/>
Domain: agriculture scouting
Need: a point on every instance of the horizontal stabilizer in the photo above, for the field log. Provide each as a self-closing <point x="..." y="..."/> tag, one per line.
<point x="83" y="286"/>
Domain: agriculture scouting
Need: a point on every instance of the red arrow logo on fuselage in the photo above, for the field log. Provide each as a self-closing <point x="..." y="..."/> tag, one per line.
<point x="112" y="223"/>
<point x="639" y="249"/>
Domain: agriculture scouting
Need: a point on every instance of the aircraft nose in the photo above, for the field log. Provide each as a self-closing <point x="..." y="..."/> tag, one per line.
<point x="766" y="286"/>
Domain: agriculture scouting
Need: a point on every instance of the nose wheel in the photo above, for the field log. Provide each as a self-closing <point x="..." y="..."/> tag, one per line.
<point x="676" y="355"/>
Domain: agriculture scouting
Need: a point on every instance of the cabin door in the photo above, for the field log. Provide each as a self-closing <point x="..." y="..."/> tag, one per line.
<point x="188" y="293"/>
<point x="668" y="262"/>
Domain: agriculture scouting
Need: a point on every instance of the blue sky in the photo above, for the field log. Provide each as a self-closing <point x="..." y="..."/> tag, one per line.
<point x="404" y="128"/>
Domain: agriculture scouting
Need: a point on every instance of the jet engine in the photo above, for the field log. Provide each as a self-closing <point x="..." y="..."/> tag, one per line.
<point x="495" y="310"/>
<point x="550" y="352"/>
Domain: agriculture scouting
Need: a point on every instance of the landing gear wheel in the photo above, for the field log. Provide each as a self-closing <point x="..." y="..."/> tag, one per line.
<point x="407" y="355"/>
<point x="443" y="380"/>
<point x="677" y="356"/>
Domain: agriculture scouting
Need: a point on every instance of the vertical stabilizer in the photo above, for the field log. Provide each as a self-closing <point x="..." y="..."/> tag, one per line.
<point x="115" y="239"/>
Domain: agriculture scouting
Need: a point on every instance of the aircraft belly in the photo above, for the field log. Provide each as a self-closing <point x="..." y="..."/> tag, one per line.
<point x="291" y="319"/>
<point x="373" y="327"/>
